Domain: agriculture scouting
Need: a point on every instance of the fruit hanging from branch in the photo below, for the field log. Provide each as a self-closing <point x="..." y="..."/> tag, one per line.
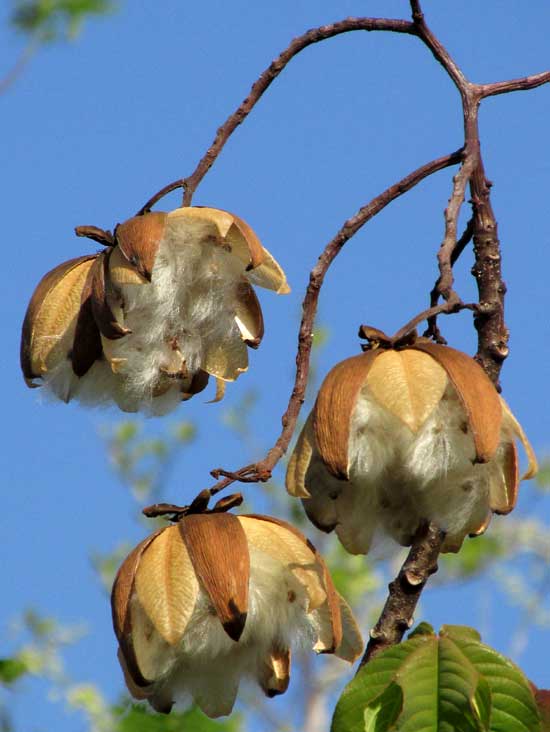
<point x="146" y="321"/>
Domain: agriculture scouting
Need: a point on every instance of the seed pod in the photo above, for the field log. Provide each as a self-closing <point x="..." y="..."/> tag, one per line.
<point x="402" y="435"/>
<point x="51" y="319"/>
<point x="200" y="604"/>
<point x="146" y="321"/>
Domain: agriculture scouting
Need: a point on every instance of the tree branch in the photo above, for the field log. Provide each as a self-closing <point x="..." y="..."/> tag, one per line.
<point x="314" y="35"/>
<point x="489" y="317"/>
<point x="523" y="84"/>
<point x="316" y="279"/>
<point x="272" y="72"/>
<point x="439" y="52"/>
<point x="19" y="66"/>
<point x="263" y="469"/>
<point x="160" y="194"/>
<point x="448" y="246"/>
<point x="405" y="591"/>
<point x="445" y="308"/>
<point x="432" y="330"/>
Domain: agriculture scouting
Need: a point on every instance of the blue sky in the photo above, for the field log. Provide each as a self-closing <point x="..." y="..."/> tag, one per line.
<point x="94" y="127"/>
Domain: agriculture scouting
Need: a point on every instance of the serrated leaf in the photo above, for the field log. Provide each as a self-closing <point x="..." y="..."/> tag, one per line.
<point x="460" y="632"/>
<point x="438" y="685"/>
<point x="514" y="708"/>
<point x="449" y="683"/>
<point x="422" y="629"/>
<point x="370" y="684"/>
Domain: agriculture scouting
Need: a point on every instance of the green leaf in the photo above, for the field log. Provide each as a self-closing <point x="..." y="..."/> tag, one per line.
<point x="369" y="685"/>
<point x="514" y="708"/>
<point x="52" y="19"/>
<point x="185" y="431"/>
<point x="481" y="703"/>
<point x="542" y="478"/>
<point x="137" y="718"/>
<point x="382" y="713"/>
<point x="11" y="669"/>
<point x="459" y="632"/>
<point x="449" y="682"/>
<point x="126" y="431"/>
<point x="422" y="629"/>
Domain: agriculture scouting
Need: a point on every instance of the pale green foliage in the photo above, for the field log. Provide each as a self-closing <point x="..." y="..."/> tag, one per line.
<point x="50" y="20"/>
<point x="12" y="669"/>
<point x="143" y="462"/>
<point x="542" y="479"/>
<point x="134" y="718"/>
<point x="474" y="557"/>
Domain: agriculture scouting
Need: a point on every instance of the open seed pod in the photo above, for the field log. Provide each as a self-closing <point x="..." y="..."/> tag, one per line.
<point x="402" y="435"/>
<point x="216" y="597"/>
<point x="145" y="322"/>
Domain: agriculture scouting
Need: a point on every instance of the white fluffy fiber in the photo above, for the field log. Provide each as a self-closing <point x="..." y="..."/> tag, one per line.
<point x="208" y="666"/>
<point x="191" y="298"/>
<point x="398" y="478"/>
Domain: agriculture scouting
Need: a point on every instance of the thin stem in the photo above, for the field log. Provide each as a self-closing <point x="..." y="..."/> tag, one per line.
<point x="262" y="470"/>
<point x="460" y="181"/>
<point x="105" y="238"/>
<point x="432" y="330"/>
<point x="439" y="52"/>
<point x="445" y="308"/>
<point x="272" y="72"/>
<point x="180" y="183"/>
<point x="316" y="279"/>
<point x="489" y="316"/>
<point x="522" y="84"/>
<point x="17" y="69"/>
<point x="404" y="592"/>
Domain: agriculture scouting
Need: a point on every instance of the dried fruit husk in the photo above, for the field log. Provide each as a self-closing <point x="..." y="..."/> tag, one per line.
<point x="334" y="409"/>
<point x="87" y="347"/>
<point x="235" y="236"/>
<point x="50" y="321"/>
<point x="139" y="239"/>
<point x="248" y="316"/>
<point x="101" y="292"/>
<point x="218" y="550"/>
<point x="477" y="393"/>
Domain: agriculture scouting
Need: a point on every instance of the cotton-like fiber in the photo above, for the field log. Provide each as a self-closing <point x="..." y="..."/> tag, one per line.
<point x="167" y="306"/>
<point x="221" y="599"/>
<point x="209" y="666"/>
<point x="403" y="437"/>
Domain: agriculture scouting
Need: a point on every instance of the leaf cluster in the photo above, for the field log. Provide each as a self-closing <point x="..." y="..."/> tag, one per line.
<point x="450" y="682"/>
<point x="51" y="20"/>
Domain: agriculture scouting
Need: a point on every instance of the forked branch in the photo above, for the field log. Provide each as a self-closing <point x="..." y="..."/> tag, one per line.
<point x="482" y="228"/>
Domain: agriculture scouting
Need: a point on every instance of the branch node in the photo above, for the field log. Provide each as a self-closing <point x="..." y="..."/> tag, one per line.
<point x="405" y="591"/>
<point x="413" y="578"/>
